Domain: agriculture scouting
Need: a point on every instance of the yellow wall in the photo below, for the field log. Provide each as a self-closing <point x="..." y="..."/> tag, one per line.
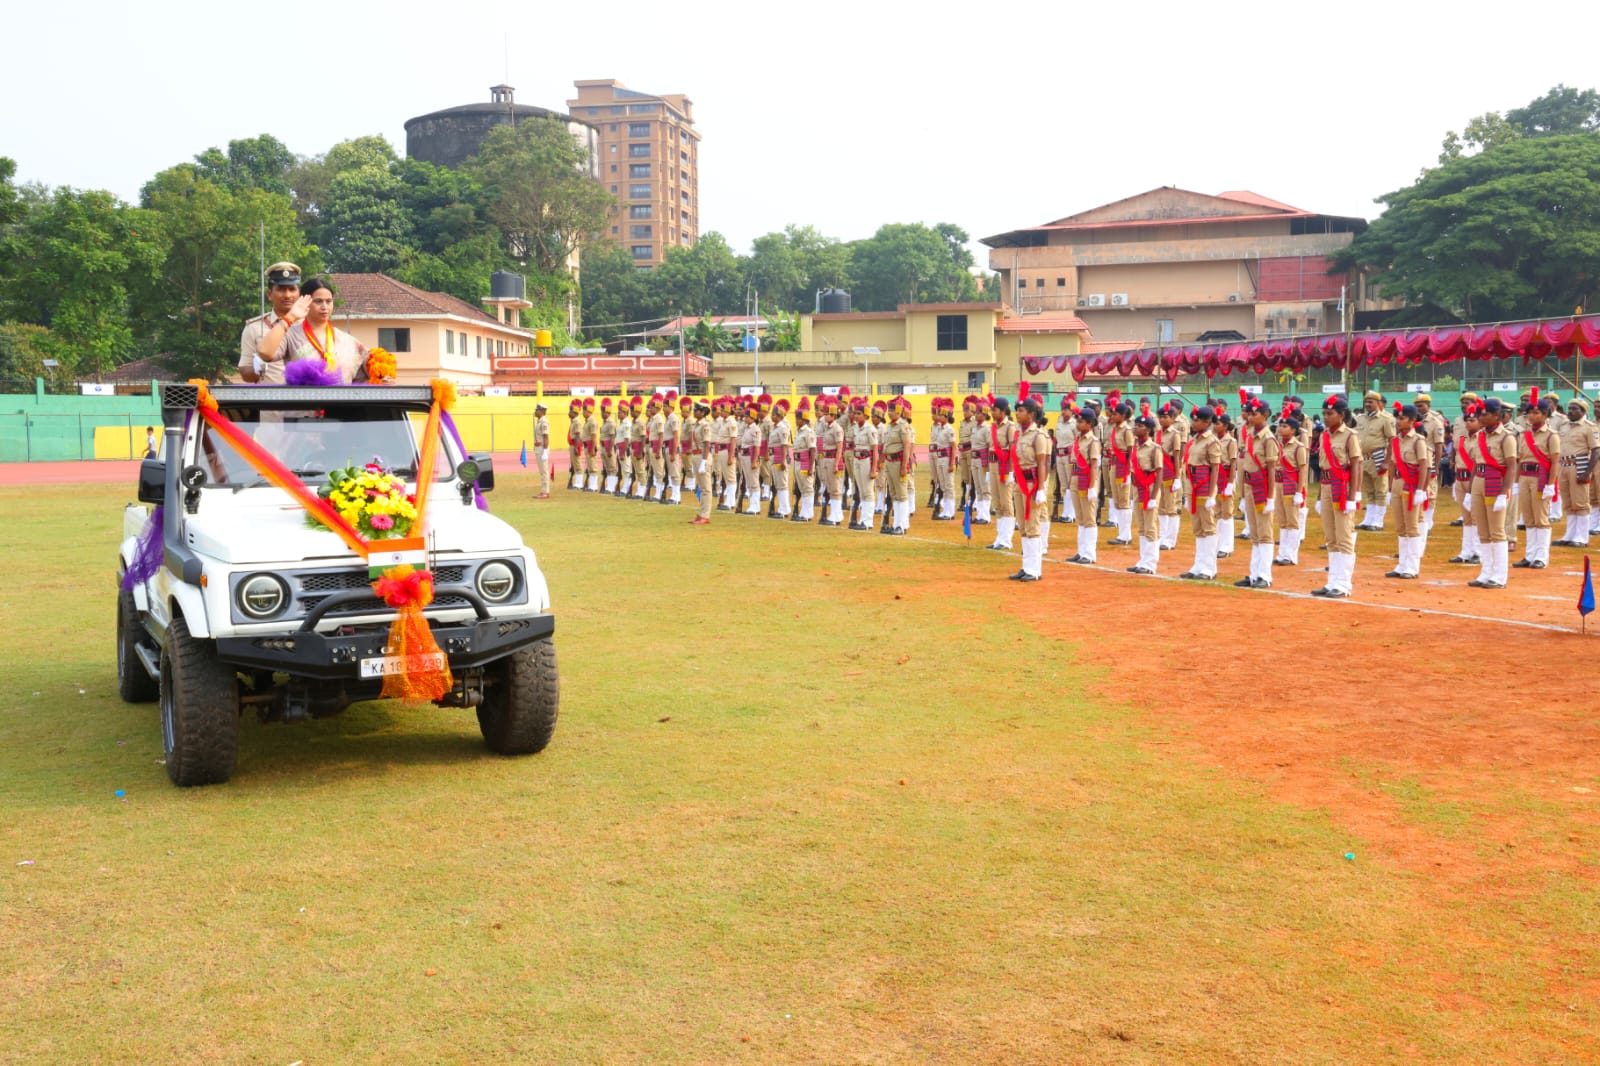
<point x="819" y="334"/>
<point x="922" y="337"/>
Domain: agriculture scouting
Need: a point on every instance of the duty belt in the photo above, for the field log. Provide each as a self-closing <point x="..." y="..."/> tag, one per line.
<point x="863" y="453"/>
<point x="1569" y="460"/>
<point x="745" y="452"/>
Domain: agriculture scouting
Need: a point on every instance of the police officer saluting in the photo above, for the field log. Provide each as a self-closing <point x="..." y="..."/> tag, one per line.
<point x="283" y="289"/>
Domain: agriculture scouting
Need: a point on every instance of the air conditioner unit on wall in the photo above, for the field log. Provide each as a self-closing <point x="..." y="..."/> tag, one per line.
<point x="1097" y="299"/>
<point x="1233" y="297"/>
<point x="1083" y="301"/>
<point x="1119" y="299"/>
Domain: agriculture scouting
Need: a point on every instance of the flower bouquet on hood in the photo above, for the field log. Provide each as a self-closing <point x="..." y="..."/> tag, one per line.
<point x="371" y="499"/>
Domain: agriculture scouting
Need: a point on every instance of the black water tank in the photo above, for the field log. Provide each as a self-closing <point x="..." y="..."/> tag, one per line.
<point x="504" y="285"/>
<point x="835" y="302"/>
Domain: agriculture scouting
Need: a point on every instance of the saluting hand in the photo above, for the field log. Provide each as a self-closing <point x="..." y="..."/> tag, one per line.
<point x="298" y="311"/>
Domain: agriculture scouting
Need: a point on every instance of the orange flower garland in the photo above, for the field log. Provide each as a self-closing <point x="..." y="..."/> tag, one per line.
<point x="381" y="366"/>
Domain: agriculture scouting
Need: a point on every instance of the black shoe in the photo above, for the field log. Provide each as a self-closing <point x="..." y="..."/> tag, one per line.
<point x="1167" y="548"/>
<point x="1493" y="585"/>
<point x="1536" y="565"/>
<point x="1108" y="525"/>
<point x="1336" y="594"/>
<point x="1139" y="570"/>
<point x="1029" y="577"/>
<point x="860" y="527"/>
<point x="1563" y="544"/>
<point x="1477" y="584"/>
<point x="1261" y="583"/>
<point x="1322" y="592"/>
<point x="980" y="521"/>
<point x="1245" y="583"/>
<point x="826" y="522"/>
<point x="1407" y="577"/>
<point x="1522" y="564"/>
<point x="1119" y="542"/>
<point x="1073" y="559"/>
<point x="1018" y="576"/>
<point x="1223" y="555"/>
<point x="1081" y="560"/>
<point x="775" y="514"/>
<point x="1192" y="576"/>
<point x="897" y="532"/>
<point x="1459" y="559"/>
<point x="1457" y="522"/>
<point x="1281" y="562"/>
<point x="1394" y="573"/>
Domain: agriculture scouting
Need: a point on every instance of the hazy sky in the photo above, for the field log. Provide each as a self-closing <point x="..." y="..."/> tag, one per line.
<point x="845" y="116"/>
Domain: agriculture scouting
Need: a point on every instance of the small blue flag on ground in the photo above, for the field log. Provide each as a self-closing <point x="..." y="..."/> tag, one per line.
<point x="966" y="520"/>
<point x="524" y="453"/>
<point x="1586" y="597"/>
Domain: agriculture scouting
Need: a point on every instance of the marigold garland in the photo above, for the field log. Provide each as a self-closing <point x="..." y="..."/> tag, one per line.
<point x="381" y="366"/>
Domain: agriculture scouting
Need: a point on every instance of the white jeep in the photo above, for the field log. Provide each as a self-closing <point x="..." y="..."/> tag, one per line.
<point x="236" y="602"/>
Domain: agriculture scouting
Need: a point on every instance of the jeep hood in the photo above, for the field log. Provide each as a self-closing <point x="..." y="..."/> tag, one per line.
<point x="241" y="530"/>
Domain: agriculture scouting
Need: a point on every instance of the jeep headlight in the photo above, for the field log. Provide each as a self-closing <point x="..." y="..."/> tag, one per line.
<point x="262" y="595"/>
<point x="496" y="581"/>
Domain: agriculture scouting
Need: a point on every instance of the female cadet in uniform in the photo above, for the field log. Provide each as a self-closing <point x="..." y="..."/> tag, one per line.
<point x="1341" y="495"/>
<point x="1461" y="466"/>
<point x="1084" y="458"/>
<point x="1411" y="472"/>
<point x="1202" y="465"/>
<point x="1032" y="474"/>
<point x="1146" y="471"/>
<point x="1494" y="455"/>
<point x="1000" y="437"/>
<point x="1293" y="472"/>
<point x="1539" y="452"/>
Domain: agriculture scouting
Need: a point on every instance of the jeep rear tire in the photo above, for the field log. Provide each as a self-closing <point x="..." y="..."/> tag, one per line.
<point x="199" y="710"/>
<point x="519" y="708"/>
<point x="134" y="682"/>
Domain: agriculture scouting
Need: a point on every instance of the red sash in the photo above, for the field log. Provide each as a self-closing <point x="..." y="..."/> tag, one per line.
<point x="1543" y="460"/>
<point x="1003" y="456"/>
<point x="1493" y="473"/>
<point x="1119" y="458"/>
<point x="1288" y="474"/>
<point x="1080" y="466"/>
<point x="1339" y="476"/>
<point x="1410" y="473"/>
<point x="1199" y="479"/>
<point x="1144" y="480"/>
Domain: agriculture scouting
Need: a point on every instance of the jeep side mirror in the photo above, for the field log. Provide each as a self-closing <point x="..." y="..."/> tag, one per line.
<point x="153" y="481"/>
<point x="485" y="471"/>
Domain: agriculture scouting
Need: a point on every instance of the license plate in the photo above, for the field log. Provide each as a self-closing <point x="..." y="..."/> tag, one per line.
<point x="385" y="665"/>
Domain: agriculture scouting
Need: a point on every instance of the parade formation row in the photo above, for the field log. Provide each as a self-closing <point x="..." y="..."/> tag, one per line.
<point x="1137" y="473"/>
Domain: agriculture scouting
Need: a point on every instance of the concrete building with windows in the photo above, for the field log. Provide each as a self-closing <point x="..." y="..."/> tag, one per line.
<point x="648" y="156"/>
<point x="1169" y="266"/>
<point x="431" y="334"/>
<point x="967" y="347"/>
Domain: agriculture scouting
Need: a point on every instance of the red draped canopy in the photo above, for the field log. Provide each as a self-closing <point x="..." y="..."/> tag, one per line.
<point x="1559" y="338"/>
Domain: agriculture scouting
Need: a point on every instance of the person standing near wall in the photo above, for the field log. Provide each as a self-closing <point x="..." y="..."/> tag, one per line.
<point x="541" y="450"/>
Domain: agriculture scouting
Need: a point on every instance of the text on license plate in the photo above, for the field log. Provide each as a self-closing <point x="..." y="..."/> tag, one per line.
<point x="384" y="665"/>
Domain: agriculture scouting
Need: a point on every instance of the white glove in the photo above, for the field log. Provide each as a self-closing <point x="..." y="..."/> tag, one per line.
<point x="1350" y="507"/>
<point x="1038" y="497"/>
<point x="544" y="455"/>
<point x="1300" y="499"/>
<point x="1211" y="503"/>
<point x="1227" y="490"/>
<point x="1358" y="497"/>
<point x="699" y="467"/>
<point x="1092" y="495"/>
<point x="1128" y="480"/>
<point x="1010" y="479"/>
<point x="1549" y="492"/>
<point x="1466" y="503"/>
<point x="1419" y="498"/>
<point x="1500" y="502"/>
<point x="1516" y="490"/>
<point x="1319" y="507"/>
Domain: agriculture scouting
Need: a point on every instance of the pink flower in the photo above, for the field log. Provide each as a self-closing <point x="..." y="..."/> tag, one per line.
<point x="382" y="521"/>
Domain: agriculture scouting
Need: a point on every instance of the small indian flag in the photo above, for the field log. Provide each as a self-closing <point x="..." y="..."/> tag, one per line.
<point x="411" y="550"/>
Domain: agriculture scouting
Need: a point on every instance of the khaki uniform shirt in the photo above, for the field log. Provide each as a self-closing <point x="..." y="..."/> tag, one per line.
<point x="896" y="441"/>
<point x="863" y="438"/>
<point x="1033" y="450"/>
<point x="541" y="432"/>
<point x="656" y="432"/>
<point x="830" y="443"/>
<point x="777" y="437"/>
<point x="608" y="430"/>
<point x="1577" y="438"/>
<point x="1204" y="450"/>
<point x="254" y="330"/>
<point x="674" y="434"/>
<point x="1373" y="433"/>
<point x="805" y="440"/>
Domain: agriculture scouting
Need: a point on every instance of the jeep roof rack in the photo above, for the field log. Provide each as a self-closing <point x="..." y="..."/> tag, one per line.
<point x="183" y="397"/>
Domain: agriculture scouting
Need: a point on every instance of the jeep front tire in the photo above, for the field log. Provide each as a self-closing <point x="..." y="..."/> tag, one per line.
<point x="519" y="708"/>
<point x="199" y="710"/>
<point x="134" y="682"/>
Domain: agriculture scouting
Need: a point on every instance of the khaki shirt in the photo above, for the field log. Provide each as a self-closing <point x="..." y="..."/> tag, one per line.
<point x="805" y="439"/>
<point x="897" y="441"/>
<point x="778" y="437"/>
<point x="608" y="430"/>
<point x="964" y="433"/>
<point x="1374" y="432"/>
<point x="750" y="436"/>
<point x="1033" y="449"/>
<point x="674" y="434"/>
<point x="863" y="439"/>
<point x="1000" y="439"/>
<point x="1085" y="450"/>
<point x="591" y="429"/>
<point x="1433" y="428"/>
<point x="1295" y="456"/>
<point x="1265" y="445"/>
<point x="541" y="432"/>
<point x="830" y="440"/>
<point x="1203" y="451"/>
<point x="942" y="436"/>
<point x="1502" y="448"/>
<point x="1172" y="439"/>
<point x="1577" y="438"/>
<point x="1414" y="449"/>
<point x="254" y="330"/>
<point x="656" y="431"/>
<point x="1547" y="440"/>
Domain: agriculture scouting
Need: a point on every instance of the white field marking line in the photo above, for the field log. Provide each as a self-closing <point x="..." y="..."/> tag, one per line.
<point x="1299" y="595"/>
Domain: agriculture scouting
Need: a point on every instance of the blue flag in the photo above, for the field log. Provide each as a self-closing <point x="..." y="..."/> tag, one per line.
<point x="1586" y="597"/>
<point x="966" y="521"/>
<point x="524" y="453"/>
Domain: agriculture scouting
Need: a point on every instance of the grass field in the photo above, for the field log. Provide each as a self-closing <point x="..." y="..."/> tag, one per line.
<point x="816" y="798"/>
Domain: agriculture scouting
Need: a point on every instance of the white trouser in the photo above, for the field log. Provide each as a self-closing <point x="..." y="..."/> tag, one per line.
<point x="1341" y="571"/>
<point x="611" y="483"/>
<point x="1149" y="554"/>
<point x="1261" y="563"/>
<point x="1224" y="536"/>
<point x="783" y="503"/>
<point x="1205" y="556"/>
<point x="1033" y="556"/>
<point x="1289" y="545"/>
<point x="1002" y="532"/>
<point x="1125" y="523"/>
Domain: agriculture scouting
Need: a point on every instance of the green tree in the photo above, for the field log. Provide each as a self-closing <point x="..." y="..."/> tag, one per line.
<point x="617" y="297"/>
<point x="11" y="206"/>
<point x="23" y="349"/>
<point x="538" y="193"/>
<point x="702" y="279"/>
<point x="262" y="162"/>
<point x="68" y="264"/>
<point x="1560" y="111"/>
<point x="825" y="261"/>
<point x="911" y="263"/>
<point x="1488" y="130"/>
<point x="775" y="270"/>
<point x="209" y="280"/>
<point x="1512" y="232"/>
<point x="783" y="333"/>
<point x="310" y="176"/>
<point x="364" y="227"/>
<point x="706" y="338"/>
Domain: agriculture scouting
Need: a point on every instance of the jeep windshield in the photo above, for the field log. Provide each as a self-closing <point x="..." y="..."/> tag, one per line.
<point x="313" y="441"/>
